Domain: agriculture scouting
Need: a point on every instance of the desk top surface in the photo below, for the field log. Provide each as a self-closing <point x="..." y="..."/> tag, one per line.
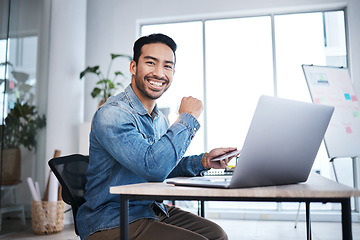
<point x="315" y="187"/>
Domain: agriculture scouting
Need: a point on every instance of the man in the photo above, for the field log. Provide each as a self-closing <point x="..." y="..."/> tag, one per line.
<point x="131" y="142"/>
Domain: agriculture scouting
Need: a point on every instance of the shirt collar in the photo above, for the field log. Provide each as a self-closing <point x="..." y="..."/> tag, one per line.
<point x="136" y="103"/>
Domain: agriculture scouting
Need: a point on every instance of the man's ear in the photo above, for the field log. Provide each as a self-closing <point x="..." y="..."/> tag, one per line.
<point x="132" y="67"/>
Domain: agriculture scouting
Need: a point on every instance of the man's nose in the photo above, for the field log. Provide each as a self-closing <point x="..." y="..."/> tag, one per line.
<point x="158" y="72"/>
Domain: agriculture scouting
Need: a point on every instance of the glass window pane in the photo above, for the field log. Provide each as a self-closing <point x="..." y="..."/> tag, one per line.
<point x="299" y="40"/>
<point x="188" y="78"/>
<point x="308" y="38"/>
<point x="20" y="73"/>
<point x="238" y="70"/>
<point x="23" y="56"/>
<point x="335" y="39"/>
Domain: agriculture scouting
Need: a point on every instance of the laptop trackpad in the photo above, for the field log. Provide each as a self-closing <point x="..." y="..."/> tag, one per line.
<point x="207" y="181"/>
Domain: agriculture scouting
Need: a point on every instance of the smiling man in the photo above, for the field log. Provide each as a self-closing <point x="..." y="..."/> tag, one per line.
<point x="131" y="142"/>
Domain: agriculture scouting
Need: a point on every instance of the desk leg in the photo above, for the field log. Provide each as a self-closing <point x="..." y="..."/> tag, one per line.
<point x="124" y="218"/>
<point x="202" y="210"/>
<point x="308" y="221"/>
<point x="346" y="219"/>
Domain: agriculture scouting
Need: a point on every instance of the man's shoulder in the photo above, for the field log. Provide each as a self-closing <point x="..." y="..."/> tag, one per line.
<point x="116" y="107"/>
<point x="120" y="100"/>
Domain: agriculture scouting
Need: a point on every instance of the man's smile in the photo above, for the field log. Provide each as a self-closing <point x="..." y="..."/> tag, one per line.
<point x="156" y="84"/>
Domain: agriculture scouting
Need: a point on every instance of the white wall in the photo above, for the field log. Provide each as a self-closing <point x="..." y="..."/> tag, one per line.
<point x="65" y="90"/>
<point x="65" y="95"/>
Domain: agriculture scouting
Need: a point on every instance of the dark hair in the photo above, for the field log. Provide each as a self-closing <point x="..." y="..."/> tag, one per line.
<point x="152" y="38"/>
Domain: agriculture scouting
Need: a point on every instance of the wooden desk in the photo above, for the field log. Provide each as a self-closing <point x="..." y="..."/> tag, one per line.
<point x="316" y="189"/>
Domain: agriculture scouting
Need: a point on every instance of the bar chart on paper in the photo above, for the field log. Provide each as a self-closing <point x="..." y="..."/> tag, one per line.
<point x="333" y="86"/>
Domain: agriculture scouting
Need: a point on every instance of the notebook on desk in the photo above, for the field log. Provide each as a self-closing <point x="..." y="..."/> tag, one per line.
<point x="280" y="147"/>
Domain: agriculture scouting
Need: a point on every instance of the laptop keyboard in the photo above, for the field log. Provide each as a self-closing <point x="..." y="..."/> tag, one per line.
<point x="218" y="172"/>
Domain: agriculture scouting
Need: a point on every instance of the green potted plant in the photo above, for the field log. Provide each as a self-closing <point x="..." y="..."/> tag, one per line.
<point x="20" y="129"/>
<point x="106" y="85"/>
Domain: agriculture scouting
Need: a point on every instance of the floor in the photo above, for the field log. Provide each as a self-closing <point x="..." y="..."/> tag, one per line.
<point x="236" y="229"/>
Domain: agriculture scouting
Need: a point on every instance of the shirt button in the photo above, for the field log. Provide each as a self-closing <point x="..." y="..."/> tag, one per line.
<point x="195" y="129"/>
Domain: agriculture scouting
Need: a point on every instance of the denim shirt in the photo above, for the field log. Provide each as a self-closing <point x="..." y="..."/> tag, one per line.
<point x="127" y="146"/>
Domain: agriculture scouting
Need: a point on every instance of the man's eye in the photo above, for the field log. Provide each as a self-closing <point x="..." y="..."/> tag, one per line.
<point x="150" y="63"/>
<point x="168" y="67"/>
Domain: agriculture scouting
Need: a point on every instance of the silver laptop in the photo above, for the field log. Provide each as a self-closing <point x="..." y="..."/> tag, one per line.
<point x="280" y="147"/>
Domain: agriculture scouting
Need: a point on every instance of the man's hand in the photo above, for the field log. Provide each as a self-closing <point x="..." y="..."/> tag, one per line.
<point x="192" y="106"/>
<point x="216" y="152"/>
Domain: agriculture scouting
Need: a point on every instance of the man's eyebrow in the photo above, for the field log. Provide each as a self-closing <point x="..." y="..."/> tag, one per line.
<point x="150" y="57"/>
<point x="157" y="60"/>
<point x="170" y="62"/>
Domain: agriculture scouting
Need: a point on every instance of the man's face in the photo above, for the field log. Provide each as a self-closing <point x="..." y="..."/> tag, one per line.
<point x="154" y="72"/>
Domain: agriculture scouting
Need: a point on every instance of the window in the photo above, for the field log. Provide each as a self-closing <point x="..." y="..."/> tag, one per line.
<point x="306" y="39"/>
<point x="236" y="49"/>
<point x="20" y="71"/>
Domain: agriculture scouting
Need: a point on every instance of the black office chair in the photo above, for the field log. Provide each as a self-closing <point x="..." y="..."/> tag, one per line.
<point x="70" y="171"/>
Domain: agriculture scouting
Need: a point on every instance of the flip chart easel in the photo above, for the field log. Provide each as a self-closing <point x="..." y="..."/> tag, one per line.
<point x="333" y="86"/>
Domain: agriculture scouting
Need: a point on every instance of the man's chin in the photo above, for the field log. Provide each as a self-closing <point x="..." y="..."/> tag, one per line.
<point x="154" y="94"/>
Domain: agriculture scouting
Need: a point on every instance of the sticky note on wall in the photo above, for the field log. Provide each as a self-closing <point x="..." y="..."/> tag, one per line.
<point x="348" y="130"/>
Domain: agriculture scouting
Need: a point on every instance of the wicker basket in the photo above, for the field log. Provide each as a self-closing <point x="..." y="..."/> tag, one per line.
<point x="47" y="217"/>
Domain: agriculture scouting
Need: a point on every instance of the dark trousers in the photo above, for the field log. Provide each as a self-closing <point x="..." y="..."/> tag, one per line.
<point x="179" y="225"/>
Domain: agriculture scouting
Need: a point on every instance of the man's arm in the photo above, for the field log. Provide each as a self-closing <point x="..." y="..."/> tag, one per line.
<point x="196" y="164"/>
<point x="117" y="131"/>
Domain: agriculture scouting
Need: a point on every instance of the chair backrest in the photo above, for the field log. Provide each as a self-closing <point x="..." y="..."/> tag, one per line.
<point x="71" y="172"/>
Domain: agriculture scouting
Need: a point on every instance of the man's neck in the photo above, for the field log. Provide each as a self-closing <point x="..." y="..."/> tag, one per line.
<point x="148" y="104"/>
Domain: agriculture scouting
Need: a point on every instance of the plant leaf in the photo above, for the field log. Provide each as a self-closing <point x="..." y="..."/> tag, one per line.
<point x="103" y="81"/>
<point x="113" y="56"/>
<point x="90" y="70"/>
<point x="96" y="91"/>
<point x="111" y="85"/>
<point x="119" y="73"/>
<point x="6" y="63"/>
<point x="21" y="125"/>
